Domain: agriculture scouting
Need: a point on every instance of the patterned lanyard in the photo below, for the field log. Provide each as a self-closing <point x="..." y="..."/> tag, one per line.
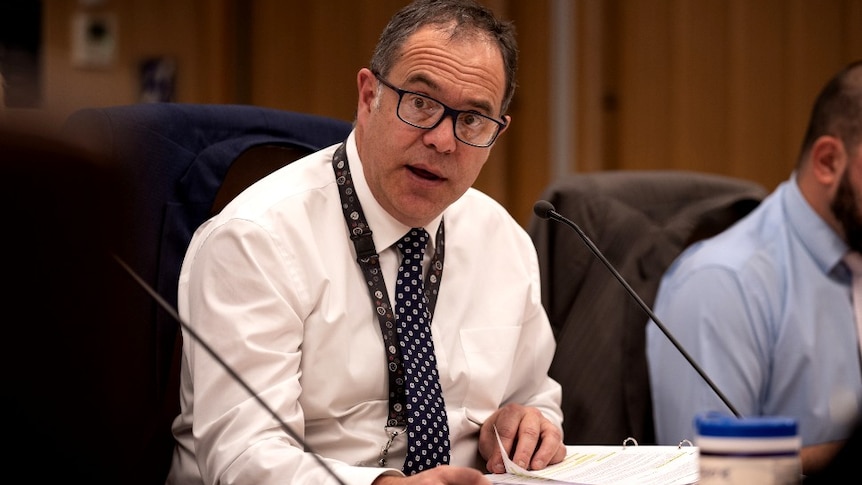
<point x="369" y="261"/>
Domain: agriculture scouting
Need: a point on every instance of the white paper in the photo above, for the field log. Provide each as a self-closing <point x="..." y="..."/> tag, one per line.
<point x="606" y="465"/>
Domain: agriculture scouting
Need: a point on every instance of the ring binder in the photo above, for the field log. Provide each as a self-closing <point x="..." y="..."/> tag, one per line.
<point x="604" y="464"/>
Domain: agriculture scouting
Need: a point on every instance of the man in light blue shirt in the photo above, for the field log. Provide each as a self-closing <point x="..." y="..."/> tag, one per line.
<point x="765" y="308"/>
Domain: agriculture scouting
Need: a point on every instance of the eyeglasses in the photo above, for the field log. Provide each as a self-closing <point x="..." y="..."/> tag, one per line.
<point x="425" y="112"/>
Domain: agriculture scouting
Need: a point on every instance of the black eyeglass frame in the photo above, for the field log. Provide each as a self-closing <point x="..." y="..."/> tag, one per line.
<point x="447" y="112"/>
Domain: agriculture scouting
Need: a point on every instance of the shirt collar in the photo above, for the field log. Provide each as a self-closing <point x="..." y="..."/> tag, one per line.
<point x="385" y="229"/>
<point x="818" y="238"/>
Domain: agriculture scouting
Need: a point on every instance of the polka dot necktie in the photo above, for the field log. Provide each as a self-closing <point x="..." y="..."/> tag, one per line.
<point x="427" y="428"/>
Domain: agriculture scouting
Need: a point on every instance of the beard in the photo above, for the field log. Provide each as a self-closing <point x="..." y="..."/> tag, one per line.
<point x="846" y="209"/>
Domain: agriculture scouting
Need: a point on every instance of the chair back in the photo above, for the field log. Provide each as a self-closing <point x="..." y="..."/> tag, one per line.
<point x="181" y="163"/>
<point x="640" y="221"/>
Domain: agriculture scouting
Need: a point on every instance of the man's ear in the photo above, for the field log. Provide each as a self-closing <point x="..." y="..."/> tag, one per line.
<point x="828" y="160"/>
<point x="508" y="120"/>
<point x="366" y="85"/>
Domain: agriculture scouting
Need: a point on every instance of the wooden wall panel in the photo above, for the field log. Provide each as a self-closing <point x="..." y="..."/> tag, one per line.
<point x="644" y="81"/>
<point x="524" y="154"/>
<point x="756" y="101"/>
<point x="851" y="44"/>
<point x="710" y="85"/>
<point x="724" y="86"/>
<point x="698" y="95"/>
<point x="595" y="106"/>
<point x="197" y="34"/>
<point x="305" y="55"/>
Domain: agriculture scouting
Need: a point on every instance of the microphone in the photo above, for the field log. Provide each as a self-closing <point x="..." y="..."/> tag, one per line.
<point x="233" y="373"/>
<point x="545" y="210"/>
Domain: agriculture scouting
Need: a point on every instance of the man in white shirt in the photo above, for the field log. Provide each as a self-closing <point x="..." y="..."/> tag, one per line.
<point x="284" y="285"/>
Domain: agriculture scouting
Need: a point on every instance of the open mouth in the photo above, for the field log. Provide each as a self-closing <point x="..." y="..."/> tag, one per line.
<point x="423" y="173"/>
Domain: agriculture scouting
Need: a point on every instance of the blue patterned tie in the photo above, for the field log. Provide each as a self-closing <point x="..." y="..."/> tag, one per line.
<point x="427" y="428"/>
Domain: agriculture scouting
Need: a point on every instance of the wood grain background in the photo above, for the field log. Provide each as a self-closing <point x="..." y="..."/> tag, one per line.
<point x="722" y="86"/>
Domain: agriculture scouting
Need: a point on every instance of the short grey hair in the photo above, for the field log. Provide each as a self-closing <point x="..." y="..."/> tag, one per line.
<point x="468" y="17"/>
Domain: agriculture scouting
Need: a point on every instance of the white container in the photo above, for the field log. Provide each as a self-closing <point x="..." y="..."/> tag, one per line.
<point x="737" y="451"/>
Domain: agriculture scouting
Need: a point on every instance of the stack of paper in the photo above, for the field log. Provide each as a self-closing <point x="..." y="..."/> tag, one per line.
<point x="607" y="465"/>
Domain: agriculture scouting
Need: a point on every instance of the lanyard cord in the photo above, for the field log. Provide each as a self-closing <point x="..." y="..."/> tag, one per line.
<point x="369" y="261"/>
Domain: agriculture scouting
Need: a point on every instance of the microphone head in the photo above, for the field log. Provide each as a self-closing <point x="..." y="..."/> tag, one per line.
<point x="543" y="209"/>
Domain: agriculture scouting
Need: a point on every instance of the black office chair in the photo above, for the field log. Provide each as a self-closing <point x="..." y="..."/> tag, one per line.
<point x="640" y="221"/>
<point x="182" y="163"/>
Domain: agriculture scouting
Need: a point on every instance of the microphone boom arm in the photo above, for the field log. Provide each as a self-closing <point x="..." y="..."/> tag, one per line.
<point x="230" y="370"/>
<point x="545" y="210"/>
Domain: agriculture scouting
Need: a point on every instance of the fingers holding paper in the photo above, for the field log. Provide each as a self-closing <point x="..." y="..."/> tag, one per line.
<point x="530" y="440"/>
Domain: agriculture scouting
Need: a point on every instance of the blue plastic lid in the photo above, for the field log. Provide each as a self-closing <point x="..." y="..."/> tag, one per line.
<point x="715" y="424"/>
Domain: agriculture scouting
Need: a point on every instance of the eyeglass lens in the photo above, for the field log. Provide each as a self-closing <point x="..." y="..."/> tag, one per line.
<point x="424" y="112"/>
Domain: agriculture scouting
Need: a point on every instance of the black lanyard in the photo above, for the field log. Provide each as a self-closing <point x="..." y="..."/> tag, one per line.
<point x="369" y="261"/>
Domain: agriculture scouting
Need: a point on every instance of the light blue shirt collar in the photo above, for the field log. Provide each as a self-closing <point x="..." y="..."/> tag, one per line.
<point x="823" y="244"/>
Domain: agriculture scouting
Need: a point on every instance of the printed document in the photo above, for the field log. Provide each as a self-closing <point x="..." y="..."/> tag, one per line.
<point x="606" y="465"/>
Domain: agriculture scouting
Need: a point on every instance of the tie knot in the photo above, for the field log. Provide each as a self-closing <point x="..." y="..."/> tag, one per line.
<point x="854" y="262"/>
<point x="413" y="243"/>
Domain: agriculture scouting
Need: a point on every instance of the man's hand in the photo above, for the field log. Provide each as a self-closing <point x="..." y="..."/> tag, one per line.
<point x="815" y="457"/>
<point x="441" y="475"/>
<point x="528" y="437"/>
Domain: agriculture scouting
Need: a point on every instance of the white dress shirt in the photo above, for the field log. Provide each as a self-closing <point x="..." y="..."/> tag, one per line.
<point x="273" y="286"/>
